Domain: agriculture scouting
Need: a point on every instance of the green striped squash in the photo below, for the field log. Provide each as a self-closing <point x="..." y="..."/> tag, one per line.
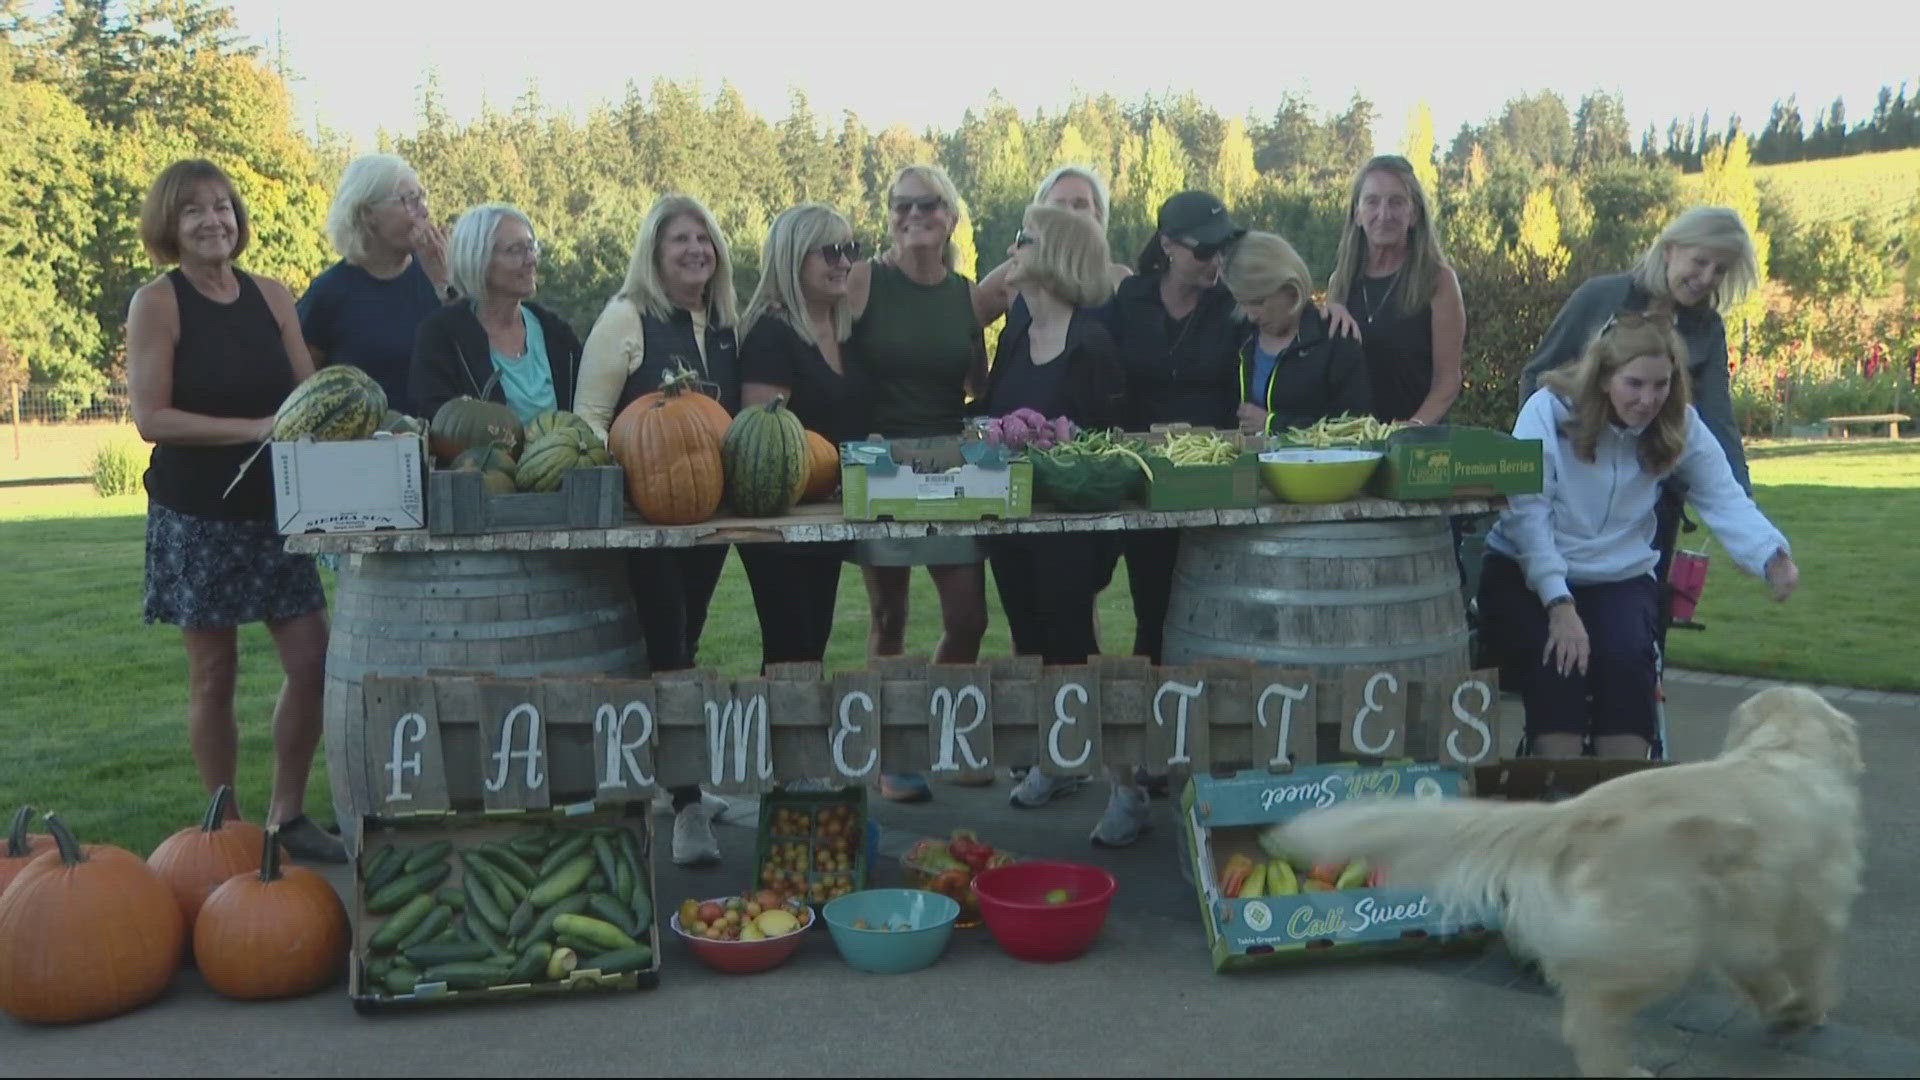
<point x="543" y="467"/>
<point x="765" y="455"/>
<point x="334" y="404"/>
<point x="555" y="420"/>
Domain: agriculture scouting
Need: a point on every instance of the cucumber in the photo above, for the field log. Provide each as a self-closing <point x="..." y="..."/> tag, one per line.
<point x="451" y="952"/>
<point x="543" y="926"/>
<point x="378" y="967"/>
<point x="376" y="863"/>
<point x="598" y="931"/>
<point x="452" y="896"/>
<point x="578" y="945"/>
<point x="630" y="843"/>
<point x="612" y="963"/>
<point x="532" y="963"/>
<point x="565" y="880"/>
<point x="529" y="846"/>
<point x="437" y="920"/>
<point x="402" y="922"/>
<point x="561" y="964"/>
<point x="505" y="858"/>
<point x="623" y="879"/>
<point x="451" y="933"/>
<point x="493" y="939"/>
<point x="400" y="980"/>
<point x="386" y="872"/>
<point x="466" y="975"/>
<point x="603" y="855"/>
<point x="606" y="908"/>
<point x="426" y="856"/>
<point x="564" y="854"/>
<point x="406" y="887"/>
<point x="522" y="918"/>
<point x="642" y="911"/>
<point x="481" y="902"/>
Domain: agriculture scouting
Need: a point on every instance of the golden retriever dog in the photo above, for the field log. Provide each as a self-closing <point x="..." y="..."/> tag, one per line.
<point x="1744" y="867"/>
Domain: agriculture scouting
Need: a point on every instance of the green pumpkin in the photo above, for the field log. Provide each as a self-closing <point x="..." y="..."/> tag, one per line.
<point x="547" y="460"/>
<point x="766" y="459"/>
<point x="335" y="404"/>
<point x="557" y="420"/>
<point x="465" y="423"/>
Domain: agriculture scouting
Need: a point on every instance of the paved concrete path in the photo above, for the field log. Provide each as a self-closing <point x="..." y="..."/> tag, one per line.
<point x="1144" y="1001"/>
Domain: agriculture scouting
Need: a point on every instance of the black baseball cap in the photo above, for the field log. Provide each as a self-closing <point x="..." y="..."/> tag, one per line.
<point x="1198" y="218"/>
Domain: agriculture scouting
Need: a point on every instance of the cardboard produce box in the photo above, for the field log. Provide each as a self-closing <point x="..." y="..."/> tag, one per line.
<point x="1235" y="485"/>
<point x="813" y="844"/>
<point x="588" y="498"/>
<point x="935" y="479"/>
<point x="458" y="842"/>
<point x="1448" y="461"/>
<point x="361" y="485"/>
<point x="1221" y="819"/>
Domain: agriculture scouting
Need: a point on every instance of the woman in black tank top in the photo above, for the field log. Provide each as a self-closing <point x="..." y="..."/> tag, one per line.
<point x="211" y="354"/>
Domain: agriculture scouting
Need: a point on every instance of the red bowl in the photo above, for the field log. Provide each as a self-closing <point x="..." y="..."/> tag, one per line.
<point x="1013" y="900"/>
<point x="743" y="957"/>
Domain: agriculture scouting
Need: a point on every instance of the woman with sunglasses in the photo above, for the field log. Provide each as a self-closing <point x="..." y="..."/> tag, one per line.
<point x="1568" y="592"/>
<point x="495" y="334"/>
<point x="915" y="330"/>
<point x="1392" y="278"/>
<point x="1069" y="187"/>
<point x="674" y="312"/>
<point x="794" y="345"/>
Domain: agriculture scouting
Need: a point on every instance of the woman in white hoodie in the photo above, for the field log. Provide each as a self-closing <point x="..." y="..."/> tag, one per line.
<point x="1568" y="593"/>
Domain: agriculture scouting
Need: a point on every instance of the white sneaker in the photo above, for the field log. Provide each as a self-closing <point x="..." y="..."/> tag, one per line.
<point x="1125" y="819"/>
<point x="693" y="839"/>
<point x="1038" y="789"/>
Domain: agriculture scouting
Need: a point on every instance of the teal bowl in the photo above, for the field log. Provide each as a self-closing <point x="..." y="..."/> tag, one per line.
<point x="902" y="929"/>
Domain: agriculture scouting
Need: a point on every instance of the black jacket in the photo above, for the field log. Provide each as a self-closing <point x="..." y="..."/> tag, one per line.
<point x="1316" y="376"/>
<point x="1586" y="312"/>
<point x="451" y="358"/>
<point x="1191" y="375"/>
<point x="1096" y="381"/>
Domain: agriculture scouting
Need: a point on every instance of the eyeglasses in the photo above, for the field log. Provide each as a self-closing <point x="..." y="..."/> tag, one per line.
<point x="847" y="252"/>
<point x="525" y="249"/>
<point x="412" y="200"/>
<point x="1633" y="320"/>
<point x="1023" y="238"/>
<point x="926" y="204"/>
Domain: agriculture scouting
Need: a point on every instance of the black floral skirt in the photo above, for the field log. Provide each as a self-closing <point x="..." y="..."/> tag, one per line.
<point x="211" y="574"/>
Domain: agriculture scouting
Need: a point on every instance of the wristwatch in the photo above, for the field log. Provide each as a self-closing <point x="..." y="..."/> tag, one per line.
<point x="1564" y="598"/>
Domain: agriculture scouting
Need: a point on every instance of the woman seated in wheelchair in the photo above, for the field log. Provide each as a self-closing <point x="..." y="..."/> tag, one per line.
<point x="1568" y="597"/>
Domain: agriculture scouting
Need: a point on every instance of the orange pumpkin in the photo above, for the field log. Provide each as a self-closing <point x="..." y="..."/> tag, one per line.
<point x="279" y="932"/>
<point x="684" y="383"/>
<point x="199" y="859"/>
<point x="85" y="933"/>
<point x="667" y="446"/>
<point x="21" y="846"/>
<point x="823" y="467"/>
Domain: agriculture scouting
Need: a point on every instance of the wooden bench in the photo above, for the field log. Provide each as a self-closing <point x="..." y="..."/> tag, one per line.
<point x="1838" y="425"/>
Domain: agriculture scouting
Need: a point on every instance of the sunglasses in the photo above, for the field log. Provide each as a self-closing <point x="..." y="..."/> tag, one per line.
<point x="926" y="204"/>
<point x="1633" y="320"/>
<point x="848" y="252"/>
<point x="1203" y="252"/>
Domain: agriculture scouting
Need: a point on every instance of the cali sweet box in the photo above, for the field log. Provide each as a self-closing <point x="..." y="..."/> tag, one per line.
<point x="1259" y="914"/>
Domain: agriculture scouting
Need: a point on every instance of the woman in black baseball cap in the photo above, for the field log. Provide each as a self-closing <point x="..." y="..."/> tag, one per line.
<point x="1180" y="346"/>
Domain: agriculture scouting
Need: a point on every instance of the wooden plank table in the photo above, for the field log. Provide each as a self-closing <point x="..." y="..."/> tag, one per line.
<point x="823" y="522"/>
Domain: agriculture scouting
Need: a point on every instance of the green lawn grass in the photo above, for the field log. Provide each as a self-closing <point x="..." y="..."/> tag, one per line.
<point x="93" y="702"/>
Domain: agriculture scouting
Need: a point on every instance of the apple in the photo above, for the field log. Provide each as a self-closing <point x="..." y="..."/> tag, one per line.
<point x="711" y="912"/>
<point x="1058" y="896"/>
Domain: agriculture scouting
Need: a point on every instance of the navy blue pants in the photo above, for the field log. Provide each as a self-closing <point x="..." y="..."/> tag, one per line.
<point x="1047" y="585"/>
<point x="1618" y="694"/>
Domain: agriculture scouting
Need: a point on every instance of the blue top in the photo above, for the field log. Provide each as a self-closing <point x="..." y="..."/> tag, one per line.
<point x="527" y="380"/>
<point x="355" y="318"/>
<point x="1263" y="362"/>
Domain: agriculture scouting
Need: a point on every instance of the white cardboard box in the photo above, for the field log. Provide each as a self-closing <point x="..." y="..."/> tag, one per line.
<point x="357" y="486"/>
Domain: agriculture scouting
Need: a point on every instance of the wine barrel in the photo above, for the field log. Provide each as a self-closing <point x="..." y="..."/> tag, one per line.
<point x="1329" y="598"/>
<point x="507" y="614"/>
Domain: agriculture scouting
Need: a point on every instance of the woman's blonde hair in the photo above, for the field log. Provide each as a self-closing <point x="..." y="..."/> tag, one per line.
<point x="1426" y="257"/>
<point x="795" y="234"/>
<point x="1262" y="264"/>
<point x="1080" y="172"/>
<point x="1715" y="228"/>
<point x="1583" y="386"/>
<point x="644" y="288"/>
<point x="1069" y="256"/>
<point x="370" y="179"/>
<point x="935" y="177"/>
<point x="470" y="247"/>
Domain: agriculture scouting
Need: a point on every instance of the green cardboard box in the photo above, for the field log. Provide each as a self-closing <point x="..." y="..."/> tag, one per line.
<point x="935" y="479"/>
<point x="808" y="805"/>
<point x="1222" y="816"/>
<point x="1449" y="461"/>
<point x="1234" y="485"/>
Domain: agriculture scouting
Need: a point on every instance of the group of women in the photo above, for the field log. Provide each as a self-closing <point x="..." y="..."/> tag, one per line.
<point x="1214" y="326"/>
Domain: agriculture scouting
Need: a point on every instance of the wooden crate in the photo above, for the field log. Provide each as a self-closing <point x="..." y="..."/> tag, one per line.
<point x="459" y="504"/>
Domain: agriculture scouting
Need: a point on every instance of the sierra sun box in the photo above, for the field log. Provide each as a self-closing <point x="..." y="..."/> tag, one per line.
<point x="936" y="479"/>
<point x="1221" y="821"/>
<point x="360" y="485"/>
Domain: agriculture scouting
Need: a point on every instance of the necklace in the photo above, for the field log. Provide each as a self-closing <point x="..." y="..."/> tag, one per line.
<point x="1374" y="308"/>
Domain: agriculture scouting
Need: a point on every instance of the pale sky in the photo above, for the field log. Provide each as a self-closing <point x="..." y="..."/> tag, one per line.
<point x="361" y="62"/>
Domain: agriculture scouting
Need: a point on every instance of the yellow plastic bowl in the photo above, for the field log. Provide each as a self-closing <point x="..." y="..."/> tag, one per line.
<point x="1318" y="476"/>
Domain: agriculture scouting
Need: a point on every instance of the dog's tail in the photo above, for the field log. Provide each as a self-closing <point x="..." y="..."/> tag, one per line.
<point x="1472" y="854"/>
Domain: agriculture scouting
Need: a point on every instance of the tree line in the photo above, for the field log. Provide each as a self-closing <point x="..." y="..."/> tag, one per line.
<point x="99" y="96"/>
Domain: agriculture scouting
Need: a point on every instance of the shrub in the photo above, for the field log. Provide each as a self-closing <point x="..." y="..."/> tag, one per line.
<point x="117" y="468"/>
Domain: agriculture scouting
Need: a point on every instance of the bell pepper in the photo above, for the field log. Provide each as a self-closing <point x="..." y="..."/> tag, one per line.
<point x="1233" y="876"/>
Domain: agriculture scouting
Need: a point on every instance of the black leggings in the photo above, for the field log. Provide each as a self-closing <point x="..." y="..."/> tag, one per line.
<point x="672" y="588"/>
<point x="794" y="590"/>
<point x="1150" y="555"/>
<point x="1047" y="586"/>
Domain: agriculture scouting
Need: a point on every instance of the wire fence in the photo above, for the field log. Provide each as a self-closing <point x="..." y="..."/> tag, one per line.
<point x="43" y="403"/>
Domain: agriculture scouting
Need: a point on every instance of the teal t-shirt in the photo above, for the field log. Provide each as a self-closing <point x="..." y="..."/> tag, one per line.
<point x="527" y="379"/>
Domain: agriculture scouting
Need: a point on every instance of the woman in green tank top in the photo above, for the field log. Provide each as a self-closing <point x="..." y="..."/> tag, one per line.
<point x="915" y="327"/>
